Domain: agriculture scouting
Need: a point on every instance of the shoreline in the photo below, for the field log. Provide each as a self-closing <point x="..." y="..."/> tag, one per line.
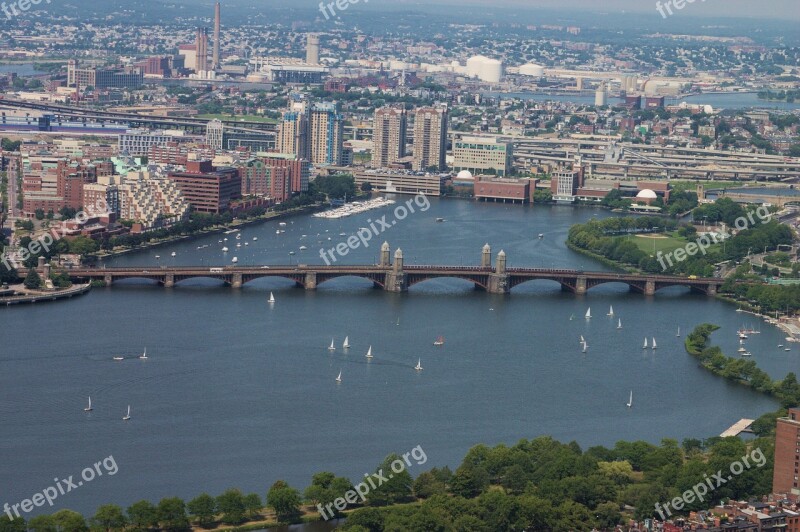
<point x="77" y="290"/>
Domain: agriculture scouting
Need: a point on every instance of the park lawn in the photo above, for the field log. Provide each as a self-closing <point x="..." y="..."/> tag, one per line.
<point x="240" y="118"/>
<point x="669" y="243"/>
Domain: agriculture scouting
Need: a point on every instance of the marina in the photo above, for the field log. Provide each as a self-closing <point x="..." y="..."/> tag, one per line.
<point x="355" y="207"/>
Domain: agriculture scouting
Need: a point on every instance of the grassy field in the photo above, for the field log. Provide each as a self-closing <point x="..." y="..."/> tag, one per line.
<point x="240" y="118"/>
<point x="662" y="242"/>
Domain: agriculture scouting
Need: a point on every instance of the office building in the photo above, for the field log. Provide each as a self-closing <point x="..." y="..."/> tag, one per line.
<point x="208" y="189"/>
<point x="388" y="136"/>
<point x="430" y="138"/>
<point x="481" y="155"/>
<point x="214" y="134"/>
<point x="312" y="49"/>
<point x="103" y="78"/>
<point x="564" y="185"/>
<point x="787" y="450"/>
<point x="326" y="134"/>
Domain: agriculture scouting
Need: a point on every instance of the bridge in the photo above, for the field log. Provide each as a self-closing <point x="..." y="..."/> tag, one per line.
<point x="395" y="276"/>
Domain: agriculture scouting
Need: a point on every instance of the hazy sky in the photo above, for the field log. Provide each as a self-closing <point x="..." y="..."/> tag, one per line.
<point x="778" y="9"/>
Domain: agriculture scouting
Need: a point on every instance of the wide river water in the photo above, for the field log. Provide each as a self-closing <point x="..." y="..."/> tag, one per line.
<point x="236" y="392"/>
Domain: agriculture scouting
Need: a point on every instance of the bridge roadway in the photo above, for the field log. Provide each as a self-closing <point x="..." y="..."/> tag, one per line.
<point x="398" y="277"/>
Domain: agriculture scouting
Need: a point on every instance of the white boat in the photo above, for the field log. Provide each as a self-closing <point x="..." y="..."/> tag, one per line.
<point x="158" y="257"/>
<point x="679" y="332"/>
<point x="303" y="248"/>
<point x="645" y="344"/>
<point x="247" y="243"/>
<point x="173" y="253"/>
<point x="630" y="400"/>
<point x="332" y="347"/>
<point x="339" y="378"/>
<point x="271" y="298"/>
<point x="346" y="344"/>
<point x="89" y="408"/>
<point x="589" y="313"/>
<point x="342" y="234"/>
<point x="143" y="356"/>
<point x="277" y="232"/>
<point x="439" y="341"/>
<point x="128" y="415"/>
<point x="787" y="349"/>
<point x="220" y="241"/>
<point x="235" y="260"/>
<point x="398" y="319"/>
<point x="369" y="352"/>
<point x="654" y="344"/>
<point x="610" y="311"/>
<point x="619" y="324"/>
<point x="239" y="236"/>
<point x="282" y="224"/>
<point x="572" y="317"/>
<point x="582" y="341"/>
<point x="225" y="250"/>
<point x="255" y="239"/>
<point x="418" y="367"/>
<point x="118" y="358"/>
<point x="541" y="235"/>
<point x="747" y="354"/>
<point x="585" y="346"/>
<point x="238" y="244"/>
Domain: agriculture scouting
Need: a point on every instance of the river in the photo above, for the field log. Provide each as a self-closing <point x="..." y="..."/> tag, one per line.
<point x="236" y="392"/>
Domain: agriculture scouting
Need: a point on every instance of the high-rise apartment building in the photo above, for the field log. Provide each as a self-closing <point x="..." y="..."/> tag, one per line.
<point x="787" y="454"/>
<point x="326" y="126"/>
<point x="201" y="50"/>
<point x="430" y="138"/>
<point x="388" y="136"/>
<point x="292" y="135"/>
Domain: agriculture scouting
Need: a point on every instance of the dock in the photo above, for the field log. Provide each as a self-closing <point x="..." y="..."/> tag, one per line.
<point x="743" y="425"/>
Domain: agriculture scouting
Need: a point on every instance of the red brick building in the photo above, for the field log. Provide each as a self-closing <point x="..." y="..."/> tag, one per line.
<point x="208" y="189"/>
<point x="787" y="454"/>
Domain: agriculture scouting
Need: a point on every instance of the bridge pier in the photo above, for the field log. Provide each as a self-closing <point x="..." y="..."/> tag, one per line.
<point x="580" y="285"/>
<point x="108" y="279"/>
<point x="236" y="282"/>
<point x="169" y="280"/>
<point x="396" y="282"/>
<point x="650" y="288"/>
<point x="311" y="281"/>
<point x="498" y="283"/>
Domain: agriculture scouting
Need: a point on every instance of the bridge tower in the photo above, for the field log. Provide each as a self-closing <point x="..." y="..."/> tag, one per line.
<point x="498" y="281"/>
<point x="396" y="277"/>
<point x="486" y="256"/>
<point x="385" y="255"/>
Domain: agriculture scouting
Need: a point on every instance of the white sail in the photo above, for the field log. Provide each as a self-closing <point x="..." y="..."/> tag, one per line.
<point x="89" y="408"/>
<point x="588" y="313"/>
<point x="332" y="347"/>
<point x="585" y="346"/>
<point x="679" y="332"/>
<point x="369" y="352"/>
<point x="582" y="340"/>
<point x="418" y="367"/>
<point x="645" y="344"/>
<point x="143" y="356"/>
<point x="630" y="401"/>
<point x="128" y="415"/>
<point x="611" y="310"/>
<point x="619" y="324"/>
<point x="346" y="343"/>
<point x="654" y="344"/>
<point x="271" y="298"/>
<point x="339" y="378"/>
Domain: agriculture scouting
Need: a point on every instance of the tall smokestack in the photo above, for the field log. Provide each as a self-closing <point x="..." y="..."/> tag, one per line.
<point x="312" y="49"/>
<point x="215" y="59"/>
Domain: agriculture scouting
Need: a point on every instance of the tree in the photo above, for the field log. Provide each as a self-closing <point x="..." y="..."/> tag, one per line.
<point x="109" y="517"/>
<point x="142" y="516"/>
<point x="285" y="500"/>
<point x="12" y="525"/>
<point x="32" y="281"/>
<point x="69" y="521"/>
<point x="202" y="508"/>
<point x="231" y="505"/>
<point x="39" y="214"/>
<point x="366" y="187"/>
<point x="171" y="512"/>
<point x="427" y="485"/>
<point x="397" y="486"/>
<point x="42" y="523"/>
<point x="252" y="505"/>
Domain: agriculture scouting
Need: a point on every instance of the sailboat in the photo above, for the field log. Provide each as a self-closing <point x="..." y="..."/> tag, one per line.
<point x="271" y="298"/>
<point x="679" y="332"/>
<point x="585" y="346"/>
<point x="369" y="352"/>
<point x="118" y="358"/>
<point x="619" y="324"/>
<point x="741" y="347"/>
<point x="339" y="378"/>
<point x="332" y="347"/>
<point x="439" y="341"/>
<point x="418" y="367"/>
<point x="630" y="400"/>
<point x="89" y="408"/>
<point x="398" y="320"/>
<point x="582" y="340"/>
<point x="610" y="310"/>
<point x="346" y="344"/>
<point x="572" y="317"/>
<point x="128" y="415"/>
<point x="645" y="344"/>
<point x="589" y="313"/>
<point x="143" y="356"/>
<point x="654" y="344"/>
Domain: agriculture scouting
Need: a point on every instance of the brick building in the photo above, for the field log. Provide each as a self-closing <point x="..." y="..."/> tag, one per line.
<point x="206" y="188"/>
